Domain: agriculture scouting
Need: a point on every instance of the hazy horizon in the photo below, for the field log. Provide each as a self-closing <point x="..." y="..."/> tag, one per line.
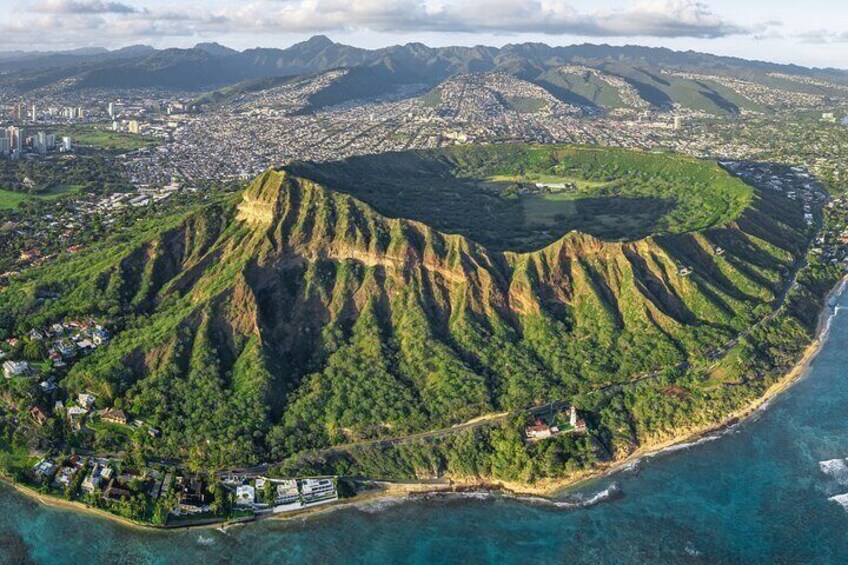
<point x="808" y="34"/>
<point x="283" y="46"/>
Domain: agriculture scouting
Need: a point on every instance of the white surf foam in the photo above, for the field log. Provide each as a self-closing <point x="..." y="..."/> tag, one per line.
<point x="691" y="550"/>
<point x="837" y="469"/>
<point x="578" y="501"/>
<point x="438" y="495"/>
<point x="687" y="445"/>
<point x="841" y="499"/>
<point x="205" y="541"/>
<point x="632" y="467"/>
<point x="378" y="505"/>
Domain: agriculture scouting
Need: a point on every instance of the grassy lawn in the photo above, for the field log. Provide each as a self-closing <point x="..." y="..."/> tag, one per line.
<point x="102" y="137"/>
<point x="527" y="105"/>
<point x="581" y="184"/>
<point x="12" y="200"/>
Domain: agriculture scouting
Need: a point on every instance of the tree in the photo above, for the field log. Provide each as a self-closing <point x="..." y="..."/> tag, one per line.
<point x="35" y="350"/>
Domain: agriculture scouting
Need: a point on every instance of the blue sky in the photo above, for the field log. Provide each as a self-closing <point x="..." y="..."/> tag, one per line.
<point x="813" y="32"/>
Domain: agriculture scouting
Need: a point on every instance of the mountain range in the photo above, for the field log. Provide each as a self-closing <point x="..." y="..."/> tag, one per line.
<point x="209" y="65"/>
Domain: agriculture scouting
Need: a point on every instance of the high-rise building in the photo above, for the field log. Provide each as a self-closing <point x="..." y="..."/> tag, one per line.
<point x="678" y="122"/>
<point x="34" y="113"/>
<point x="67" y="144"/>
<point x="5" y="143"/>
<point x="20" y="114"/>
<point x="16" y="137"/>
<point x="112" y="110"/>
<point x="133" y="127"/>
<point x="50" y="141"/>
<point x="39" y="142"/>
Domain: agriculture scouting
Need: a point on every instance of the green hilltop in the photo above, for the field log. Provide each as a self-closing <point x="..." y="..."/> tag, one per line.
<point x="388" y="295"/>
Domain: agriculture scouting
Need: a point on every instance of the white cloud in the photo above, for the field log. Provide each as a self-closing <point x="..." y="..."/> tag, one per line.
<point x="71" y="22"/>
<point x="649" y="18"/>
<point x="82" y="7"/>
<point x="823" y="37"/>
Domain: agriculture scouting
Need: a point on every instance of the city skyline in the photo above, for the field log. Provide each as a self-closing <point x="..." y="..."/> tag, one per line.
<point x="786" y="33"/>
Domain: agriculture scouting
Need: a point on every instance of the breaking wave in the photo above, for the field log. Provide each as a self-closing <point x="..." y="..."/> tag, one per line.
<point x="577" y="501"/>
<point x="380" y="504"/>
<point x="837" y="469"/>
<point x="841" y="499"/>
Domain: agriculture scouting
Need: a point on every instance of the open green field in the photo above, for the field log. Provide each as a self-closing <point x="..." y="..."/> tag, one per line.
<point x="10" y="200"/>
<point x="488" y="193"/>
<point x="102" y="137"/>
<point x="526" y="104"/>
<point x="580" y="184"/>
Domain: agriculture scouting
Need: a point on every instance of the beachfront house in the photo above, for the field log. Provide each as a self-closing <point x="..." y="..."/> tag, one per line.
<point x="318" y="489"/>
<point x="287" y="492"/>
<point x="245" y="495"/>
<point x="93" y="480"/>
<point x="44" y="468"/>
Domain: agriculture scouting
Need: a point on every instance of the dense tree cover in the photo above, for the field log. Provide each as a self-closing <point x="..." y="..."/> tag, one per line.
<point x="317" y="322"/>
<point x="496" y="452"/>
<point x="209" y="423"/>
<point x="93" y="173"/>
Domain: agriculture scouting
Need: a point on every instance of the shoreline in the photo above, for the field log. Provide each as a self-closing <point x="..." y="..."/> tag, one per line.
<point x="546" y="489"/>
<point x="739" y="416"/>
<point x="56" y="502"/>
<point x="552" y="487"/>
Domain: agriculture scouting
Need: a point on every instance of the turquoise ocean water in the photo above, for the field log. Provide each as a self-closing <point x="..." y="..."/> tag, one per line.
<point x="766" y="491"/>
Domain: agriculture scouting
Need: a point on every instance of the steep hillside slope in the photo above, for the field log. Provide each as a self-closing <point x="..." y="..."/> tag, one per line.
<point x="297" y="317"/>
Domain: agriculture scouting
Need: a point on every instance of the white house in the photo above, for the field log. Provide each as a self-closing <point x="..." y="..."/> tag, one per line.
<point x="92" y="480"/>
<point x="287" y="492"/>
<point x="76" y="412"/>
<point x="15" y="368"/>
<point x="313" y="489"/>
<point x="245" y="495"/>
<point x="86" y="400"/>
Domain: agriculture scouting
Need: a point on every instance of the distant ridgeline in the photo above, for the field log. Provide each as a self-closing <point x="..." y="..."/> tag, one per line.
<point x="326" y="304"/>
<point x="592" y="77"/>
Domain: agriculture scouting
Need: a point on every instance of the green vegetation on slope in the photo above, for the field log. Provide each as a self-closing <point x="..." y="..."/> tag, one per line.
<point x="300" y="318"/>
<point x="583" y="89"/>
